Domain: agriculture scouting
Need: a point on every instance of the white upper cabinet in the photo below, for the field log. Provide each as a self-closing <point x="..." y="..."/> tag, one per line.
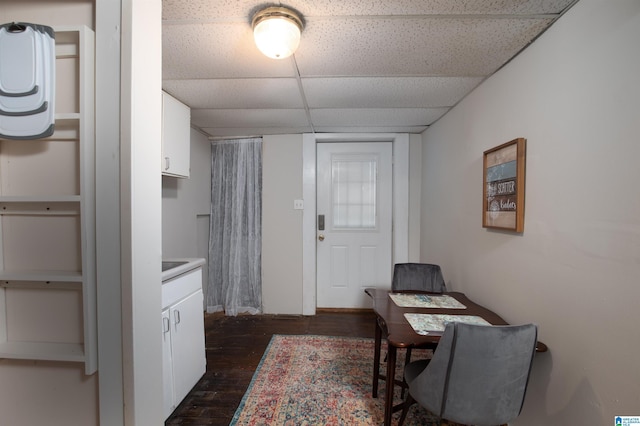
<point x="176" y="135"/>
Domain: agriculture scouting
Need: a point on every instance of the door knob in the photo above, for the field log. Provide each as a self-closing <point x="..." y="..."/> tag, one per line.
<point x="321" y="237"/>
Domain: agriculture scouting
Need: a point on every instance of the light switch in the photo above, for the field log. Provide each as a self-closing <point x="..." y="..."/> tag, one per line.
<point x="298" y="204"/>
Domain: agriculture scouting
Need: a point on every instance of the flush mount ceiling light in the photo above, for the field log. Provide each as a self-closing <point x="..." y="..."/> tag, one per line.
<point x="276" y="31"/>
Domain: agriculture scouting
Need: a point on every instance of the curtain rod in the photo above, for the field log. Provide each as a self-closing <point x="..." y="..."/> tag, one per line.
<point x="231" y="138"/>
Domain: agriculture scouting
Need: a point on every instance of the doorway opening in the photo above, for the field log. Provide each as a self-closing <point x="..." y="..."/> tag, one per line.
<point x="400" y="205"/>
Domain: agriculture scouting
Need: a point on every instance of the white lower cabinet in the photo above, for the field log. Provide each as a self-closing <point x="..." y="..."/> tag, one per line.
<point x="183" y="357"/>
<point x="167" y="366"/>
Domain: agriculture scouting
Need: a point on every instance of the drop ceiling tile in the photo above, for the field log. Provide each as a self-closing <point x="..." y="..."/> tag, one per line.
<point x="375" y="116"/>
<point x="209" y="10"/>
<point x="426" y="7"/>
<point x="216" y="50"/>
<point x="237" y="93"/>
<point x="249" y="118"/>
<point x="217" y="10"/>
<point x="386" y="92"/>
<point x="412" y="47"/>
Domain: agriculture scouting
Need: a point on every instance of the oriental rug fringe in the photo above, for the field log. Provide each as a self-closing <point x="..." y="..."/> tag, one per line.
<point x="319" y="380"/>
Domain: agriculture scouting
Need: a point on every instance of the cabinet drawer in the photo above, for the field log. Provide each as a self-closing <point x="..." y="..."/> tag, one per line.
<point x="181" y="286"/>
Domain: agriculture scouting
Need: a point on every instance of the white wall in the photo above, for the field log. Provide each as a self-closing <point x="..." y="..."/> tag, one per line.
<point x="281" y="224"/>
<point x="574" y="95"/>
<point x="108" y="212"/>
<point x="61" y="391"/>
<point x="185" y="221"/>
<point x="185" y="217"/>
<point x="186" y="202"/>
<point x="185" y="208"/>
<point x="415" y="185"/>
<point x="141" y="241"/>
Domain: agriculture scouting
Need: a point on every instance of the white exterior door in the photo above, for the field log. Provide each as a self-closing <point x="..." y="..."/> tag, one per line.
<point x="353" y="229"/>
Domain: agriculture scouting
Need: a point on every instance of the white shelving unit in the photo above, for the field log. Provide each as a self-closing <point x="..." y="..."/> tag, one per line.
<point x="47" y="222"/>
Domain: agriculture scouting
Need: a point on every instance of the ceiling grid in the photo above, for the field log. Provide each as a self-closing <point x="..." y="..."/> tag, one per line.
<point x="362" y="66"/>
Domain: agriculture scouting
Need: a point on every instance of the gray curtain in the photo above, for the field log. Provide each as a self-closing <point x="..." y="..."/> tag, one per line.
<point x="235" y="237"/>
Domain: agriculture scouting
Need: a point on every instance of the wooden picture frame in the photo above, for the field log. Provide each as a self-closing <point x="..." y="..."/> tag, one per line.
<point x="504" y="184"/>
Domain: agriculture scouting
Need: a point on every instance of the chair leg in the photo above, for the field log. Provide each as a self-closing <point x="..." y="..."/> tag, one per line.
<point x="407" y="357"/>
<point x="405" y="408"/>
<point x="376" y="360"/>
<point x="407" y="360"/>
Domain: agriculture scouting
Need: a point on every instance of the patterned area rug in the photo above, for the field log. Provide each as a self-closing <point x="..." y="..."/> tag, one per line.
<point x="319" y="380"/>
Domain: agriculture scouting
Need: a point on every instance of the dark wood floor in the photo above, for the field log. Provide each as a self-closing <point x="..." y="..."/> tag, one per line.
<point x="235" y="346"/>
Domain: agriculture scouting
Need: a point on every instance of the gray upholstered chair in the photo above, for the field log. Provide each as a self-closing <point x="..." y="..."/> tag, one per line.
<point x="418" y="276"/>
<point x="478" y="374"/>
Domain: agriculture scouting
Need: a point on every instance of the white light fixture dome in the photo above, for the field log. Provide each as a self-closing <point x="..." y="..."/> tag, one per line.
<point x="276" y="31"/>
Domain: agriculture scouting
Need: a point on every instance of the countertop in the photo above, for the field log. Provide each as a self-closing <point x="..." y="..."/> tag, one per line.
<point x="191" y="263"/>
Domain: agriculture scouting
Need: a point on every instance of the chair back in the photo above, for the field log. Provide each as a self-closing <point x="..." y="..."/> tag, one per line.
<point x="478" y="374"/>
<point x="418" y="276"/>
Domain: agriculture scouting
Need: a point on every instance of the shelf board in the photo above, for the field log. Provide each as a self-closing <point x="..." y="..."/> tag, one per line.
<point x="71" y="116"/>
<point x="42" y="276"/>
<point x="46" y="351"/>
<point x="39" y="198"/>
<point x="65" y="129"/>
<point x="53" y="205"/>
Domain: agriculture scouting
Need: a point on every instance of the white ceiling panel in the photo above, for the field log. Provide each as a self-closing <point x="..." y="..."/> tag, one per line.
<point x="209" y="10"/>
<point x="360" y="117"/>
<point x="249" y="118"/>
<point x="219" y="10"/>
<point x="362" y="65"/>
<point x="317" y="8"/>
<point x="412" y="47"/>
<point x="386" y="92"/>
<point x="276" y="93"/>
<point x="204" y="51"/>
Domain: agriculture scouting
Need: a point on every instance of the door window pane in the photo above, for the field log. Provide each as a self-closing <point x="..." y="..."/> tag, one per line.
<point x="353" y="186"/>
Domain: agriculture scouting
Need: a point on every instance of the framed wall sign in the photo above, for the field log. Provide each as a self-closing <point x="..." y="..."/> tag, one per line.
<point x="503" y="179"/>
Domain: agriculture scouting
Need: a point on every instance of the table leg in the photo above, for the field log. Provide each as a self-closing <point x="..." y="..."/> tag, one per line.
<point x="390" y="381"/>
<point x="376" y="360"/>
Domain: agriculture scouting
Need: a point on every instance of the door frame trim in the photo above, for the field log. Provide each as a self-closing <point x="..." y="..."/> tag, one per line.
<point x="400" y="196"/>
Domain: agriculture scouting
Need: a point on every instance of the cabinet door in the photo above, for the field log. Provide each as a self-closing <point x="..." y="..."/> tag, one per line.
<point x="167" y="369"/>
<point x="176" y="137"/>
<point x="187" y="343"/>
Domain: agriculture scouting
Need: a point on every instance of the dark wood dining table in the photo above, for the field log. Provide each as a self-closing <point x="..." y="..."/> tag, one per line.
<point x="392" y="324"/>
